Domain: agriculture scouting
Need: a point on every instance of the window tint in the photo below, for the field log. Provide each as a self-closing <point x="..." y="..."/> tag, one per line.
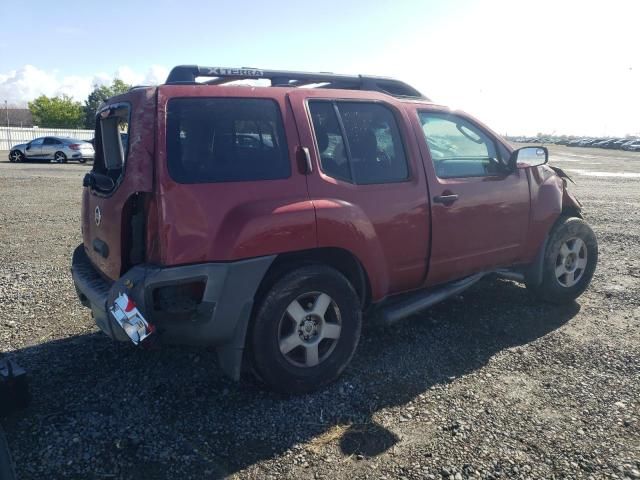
<point x="49" y="141"/>
<point x="225" y="140"/>
<point x="37" y="142"/>
<point x="373" y="151"/>
<point x="459" y="148"/>
<point x="333" y="154"/>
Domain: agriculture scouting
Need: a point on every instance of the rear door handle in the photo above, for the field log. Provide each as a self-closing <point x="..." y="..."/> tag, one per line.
<point x="308" y="166"/>
<point x="450" y="198"/>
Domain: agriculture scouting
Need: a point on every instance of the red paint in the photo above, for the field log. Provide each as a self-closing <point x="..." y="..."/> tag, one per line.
<point x="138" y="178"/>
<point x="485" y="228"/>
<point x="130" y="305"/>
<point x="402" y="239"/>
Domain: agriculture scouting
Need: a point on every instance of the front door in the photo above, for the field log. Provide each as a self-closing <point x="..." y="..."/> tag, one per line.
<point x="480" y="205"/>
<point x="34" y="148"/>
<point x="367" y="185"/>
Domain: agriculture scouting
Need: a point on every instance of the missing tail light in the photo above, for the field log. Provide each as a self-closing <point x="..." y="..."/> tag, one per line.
<point x="180" y="301"/>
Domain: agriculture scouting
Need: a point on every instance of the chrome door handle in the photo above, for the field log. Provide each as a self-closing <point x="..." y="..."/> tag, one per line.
<point x="307" y="159"/>
<point x="445" y="198"/>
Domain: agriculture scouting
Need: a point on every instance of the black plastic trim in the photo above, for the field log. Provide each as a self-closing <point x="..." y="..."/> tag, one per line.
<point x="224" y="312"/>
<point x="426" y="298"/>
<point x="187" y="74"/>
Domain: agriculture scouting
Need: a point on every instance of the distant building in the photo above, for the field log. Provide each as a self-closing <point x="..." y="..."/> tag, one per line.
<point x="18" y="117"/>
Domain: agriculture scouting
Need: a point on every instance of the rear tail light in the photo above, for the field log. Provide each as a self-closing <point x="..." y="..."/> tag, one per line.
<point x="74" y="146"/>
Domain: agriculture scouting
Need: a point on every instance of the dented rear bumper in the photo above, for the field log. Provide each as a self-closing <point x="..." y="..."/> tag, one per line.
<point x="219" y="319"/>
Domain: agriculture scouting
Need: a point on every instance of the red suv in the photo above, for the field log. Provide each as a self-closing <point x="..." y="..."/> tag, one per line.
<point x="265" y="220"/>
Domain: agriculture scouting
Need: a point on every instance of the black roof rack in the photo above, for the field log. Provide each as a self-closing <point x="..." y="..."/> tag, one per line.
<point x="187" y="74"/>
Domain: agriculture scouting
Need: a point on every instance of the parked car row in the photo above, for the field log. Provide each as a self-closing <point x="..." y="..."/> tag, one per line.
<point x="54" y="149"/>
<point x="629" y="144"/>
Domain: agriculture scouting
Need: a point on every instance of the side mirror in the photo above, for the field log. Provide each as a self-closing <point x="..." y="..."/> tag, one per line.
<point x="28" y="146"/>
<point x="527" y="157"/>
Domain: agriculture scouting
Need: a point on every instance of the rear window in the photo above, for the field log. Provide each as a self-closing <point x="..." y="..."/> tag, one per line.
<point x="225" y="140"/>
<point x="112" y="125"/>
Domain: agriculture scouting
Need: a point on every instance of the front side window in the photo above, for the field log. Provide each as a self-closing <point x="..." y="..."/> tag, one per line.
<point x="225" y="140"/>
<point x="459" y="148"/>
<point x="358" y="142"/>
<point x="37" y="142"/>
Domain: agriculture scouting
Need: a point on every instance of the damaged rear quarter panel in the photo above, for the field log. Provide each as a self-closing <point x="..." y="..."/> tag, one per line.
<point x="224" y="221"/>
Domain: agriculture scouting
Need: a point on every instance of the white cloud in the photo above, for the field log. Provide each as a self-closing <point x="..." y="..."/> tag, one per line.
<point x="156" y="74"/>
<point x="28" y="82"/>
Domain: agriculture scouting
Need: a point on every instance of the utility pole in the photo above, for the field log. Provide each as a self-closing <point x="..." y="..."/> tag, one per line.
<point x="6" y="108"/>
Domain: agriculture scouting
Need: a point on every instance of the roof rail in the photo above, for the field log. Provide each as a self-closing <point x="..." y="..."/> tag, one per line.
<point x="283" y="78"/>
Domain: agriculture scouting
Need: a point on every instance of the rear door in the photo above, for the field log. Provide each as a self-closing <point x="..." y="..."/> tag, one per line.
<point x="366" y="183"/>
<point x="480" y="206"/>
<point x="49" y="147"/>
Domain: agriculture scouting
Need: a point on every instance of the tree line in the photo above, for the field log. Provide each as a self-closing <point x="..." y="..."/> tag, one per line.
<point x="64" y="112"/>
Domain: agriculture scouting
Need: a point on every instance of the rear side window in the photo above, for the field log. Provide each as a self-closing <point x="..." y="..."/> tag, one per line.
<point x="225" y="140"/>
<point x="359" y="142"/>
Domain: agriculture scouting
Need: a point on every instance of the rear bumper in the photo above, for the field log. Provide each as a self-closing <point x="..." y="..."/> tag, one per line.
<point x="221" y="319"/>
<point x="82" y="155"/>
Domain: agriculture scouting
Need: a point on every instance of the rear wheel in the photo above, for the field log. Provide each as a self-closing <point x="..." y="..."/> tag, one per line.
<point x="569" y="262"/>
<point x="306" y="330"/>
<point x="60" y="157"/>
<point x="16" y="156"/>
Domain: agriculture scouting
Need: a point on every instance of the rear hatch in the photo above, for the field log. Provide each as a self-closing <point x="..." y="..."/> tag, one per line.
<point x="116" y="190"/>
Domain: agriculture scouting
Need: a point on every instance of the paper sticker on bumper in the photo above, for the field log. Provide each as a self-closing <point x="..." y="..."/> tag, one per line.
<point x="128" y="316"/>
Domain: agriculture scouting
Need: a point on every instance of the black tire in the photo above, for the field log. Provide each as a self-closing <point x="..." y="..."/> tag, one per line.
<point x="82" y="160"/>
<point x="278" y="370"/>
<point x="16" y="156"/>
<point x="6" y="463"/>
<point x="61" y="156"/>
<point x="553" y="288"/>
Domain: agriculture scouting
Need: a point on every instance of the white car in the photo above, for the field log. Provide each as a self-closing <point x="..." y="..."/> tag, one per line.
<point x="54" y="149"/>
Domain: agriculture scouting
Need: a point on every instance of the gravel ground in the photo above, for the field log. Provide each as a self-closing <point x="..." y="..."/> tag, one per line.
<point x="491" y="384"/>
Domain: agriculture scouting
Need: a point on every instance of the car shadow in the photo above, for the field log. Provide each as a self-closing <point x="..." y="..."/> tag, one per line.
<point x="110" y="409"/>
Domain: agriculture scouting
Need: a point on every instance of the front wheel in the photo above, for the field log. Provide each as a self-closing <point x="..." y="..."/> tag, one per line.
<point x="305" y="330"/>
<point x="16" y="156"/>
<point x="569" y="261"/>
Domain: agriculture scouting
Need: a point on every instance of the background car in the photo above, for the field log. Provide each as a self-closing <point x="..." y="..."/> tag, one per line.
<point x="632" y="146"/>
<point x="54" y="149"/>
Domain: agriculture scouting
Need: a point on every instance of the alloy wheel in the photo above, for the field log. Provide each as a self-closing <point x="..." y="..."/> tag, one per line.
<point x="571" y="262"/>
<point x="309" y="329"/>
